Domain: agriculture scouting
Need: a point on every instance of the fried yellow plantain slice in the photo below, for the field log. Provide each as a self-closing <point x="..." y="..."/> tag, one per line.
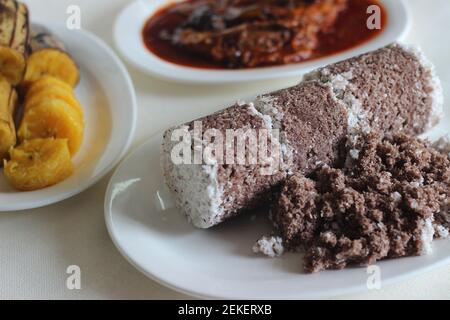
<point x="38" y="163"/>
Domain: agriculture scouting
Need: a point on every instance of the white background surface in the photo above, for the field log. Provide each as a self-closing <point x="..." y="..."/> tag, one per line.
<point x="37" y="246"/>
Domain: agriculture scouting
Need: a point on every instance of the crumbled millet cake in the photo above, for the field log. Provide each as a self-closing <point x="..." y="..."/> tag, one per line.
<point x="389" y="201"/>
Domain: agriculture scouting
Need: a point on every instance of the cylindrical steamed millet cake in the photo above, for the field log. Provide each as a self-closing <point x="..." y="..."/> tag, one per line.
<point x="393" y="89"/>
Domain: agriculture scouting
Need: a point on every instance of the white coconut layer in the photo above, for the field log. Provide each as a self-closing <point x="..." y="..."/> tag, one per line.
<point x="427" y="237"/>
<point x="437" y="96"/>
<point x="357" y="117"/>
<point x="195" y="187"/>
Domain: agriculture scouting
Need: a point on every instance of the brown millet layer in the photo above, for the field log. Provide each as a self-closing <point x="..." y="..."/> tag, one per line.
<point x="392" y="86"/>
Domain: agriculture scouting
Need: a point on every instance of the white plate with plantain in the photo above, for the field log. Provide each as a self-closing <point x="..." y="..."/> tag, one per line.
<point x="55" y="157"/>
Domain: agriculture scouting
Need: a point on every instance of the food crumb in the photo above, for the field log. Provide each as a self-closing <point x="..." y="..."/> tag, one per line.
<point x="354" y="154"/>
<point x="442" y="232"/>
<point x="270" y="246"/>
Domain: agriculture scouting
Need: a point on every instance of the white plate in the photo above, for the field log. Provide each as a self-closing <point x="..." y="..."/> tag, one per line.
<point x="219" y="263"/>
<point x="109" y="102"/>
<point x="128" y="39"/>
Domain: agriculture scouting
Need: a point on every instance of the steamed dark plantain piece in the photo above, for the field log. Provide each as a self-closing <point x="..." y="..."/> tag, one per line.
<point x="14" y="40"/>
<point x="8" y="103"/>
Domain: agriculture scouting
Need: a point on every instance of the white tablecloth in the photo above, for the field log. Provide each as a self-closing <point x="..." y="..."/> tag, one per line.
<point x="37" y="246"/>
